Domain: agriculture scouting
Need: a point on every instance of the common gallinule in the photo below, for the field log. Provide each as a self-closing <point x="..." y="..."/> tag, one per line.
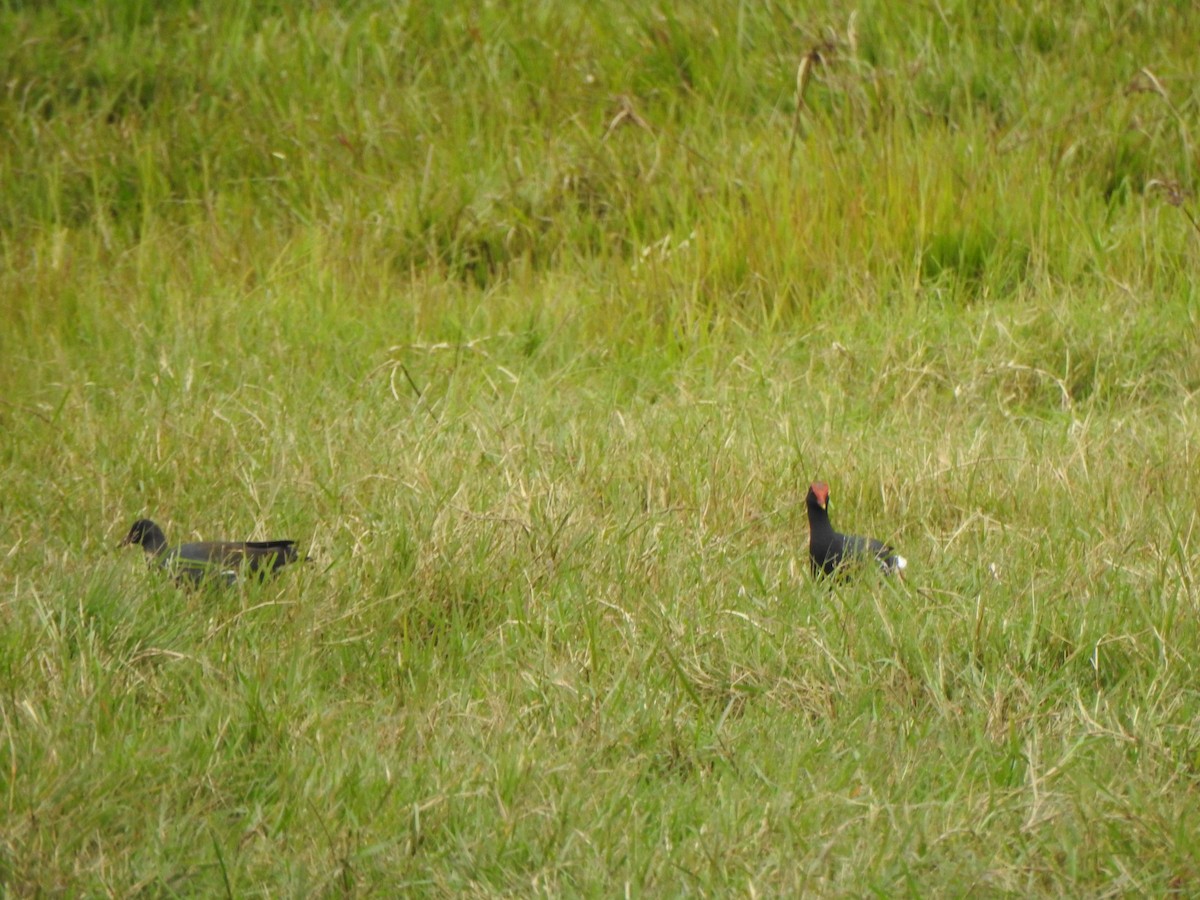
<point x="830" y="551"/>
<point x="220" y="561"/>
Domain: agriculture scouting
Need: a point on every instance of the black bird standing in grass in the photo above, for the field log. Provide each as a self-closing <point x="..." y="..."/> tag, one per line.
<point x="830" y="551"/>
<point x="217" y="561"/>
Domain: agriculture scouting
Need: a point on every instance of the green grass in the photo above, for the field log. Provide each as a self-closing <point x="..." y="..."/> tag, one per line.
<point x="531" y="322"/>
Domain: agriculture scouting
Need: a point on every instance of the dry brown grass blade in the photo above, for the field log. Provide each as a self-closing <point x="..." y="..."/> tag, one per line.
<point x="803" y="76"/>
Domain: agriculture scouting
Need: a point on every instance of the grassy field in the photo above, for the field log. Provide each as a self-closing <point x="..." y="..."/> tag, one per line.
<point x="531" y="322"/>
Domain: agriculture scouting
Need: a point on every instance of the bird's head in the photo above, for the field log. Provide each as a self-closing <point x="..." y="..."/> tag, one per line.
<point x="147" y="535"/>
<point x="818" y="495"/>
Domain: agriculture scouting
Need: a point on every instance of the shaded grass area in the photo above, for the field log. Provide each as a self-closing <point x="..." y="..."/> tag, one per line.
<point x="531" y="324"/>
<point x="477" y="146"/>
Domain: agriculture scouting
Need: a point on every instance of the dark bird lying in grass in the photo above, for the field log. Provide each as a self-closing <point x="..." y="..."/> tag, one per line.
<point x="221" y="562"/>
<point x="830" y="551"/>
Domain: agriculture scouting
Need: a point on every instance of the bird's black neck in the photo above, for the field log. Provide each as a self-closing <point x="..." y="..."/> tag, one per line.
<point x="153" y="539"/>
<point x="818" y="520"/>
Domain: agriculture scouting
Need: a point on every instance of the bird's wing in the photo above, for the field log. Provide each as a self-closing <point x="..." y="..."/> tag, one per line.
<point x="272" y="554"/>
<point x="192" y="563"/>
<point x="852" y="545"/>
